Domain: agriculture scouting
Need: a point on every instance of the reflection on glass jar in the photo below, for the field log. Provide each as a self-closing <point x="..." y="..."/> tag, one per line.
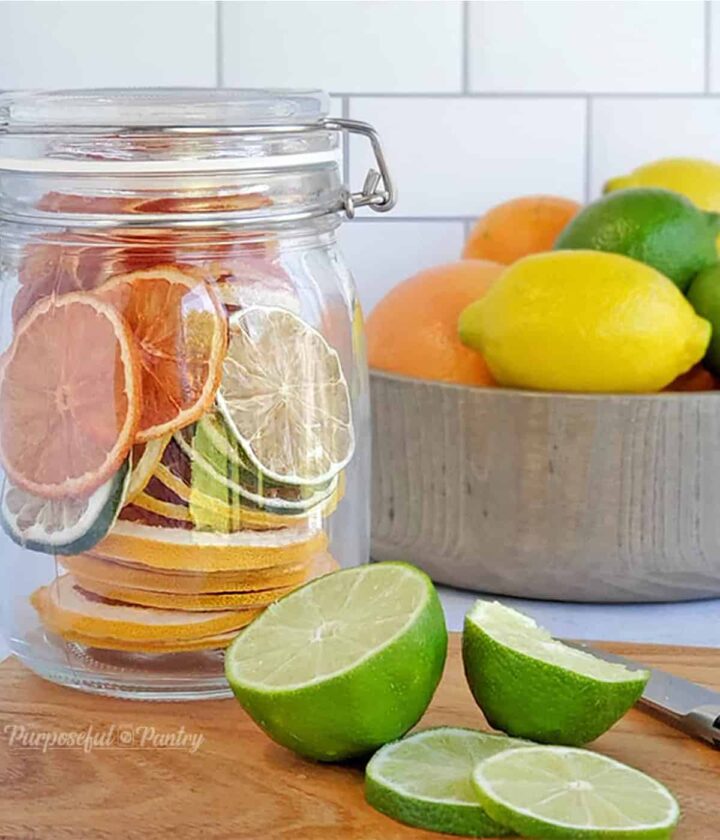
<point x="183" y="390"/>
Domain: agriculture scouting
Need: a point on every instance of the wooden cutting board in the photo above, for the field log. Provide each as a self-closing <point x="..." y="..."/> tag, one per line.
<point x="240" y="785"/>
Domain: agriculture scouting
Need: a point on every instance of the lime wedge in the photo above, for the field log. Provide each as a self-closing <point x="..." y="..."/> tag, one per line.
<point x="284" y="395"/>
<point x="425" y="780"/>
<point x="566" y="792"/>
<point x="344" y="664"/>
<point x="533" y="686"/>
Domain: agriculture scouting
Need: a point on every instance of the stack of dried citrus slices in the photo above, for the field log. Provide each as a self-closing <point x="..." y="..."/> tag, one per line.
<point x="178" y="446"/>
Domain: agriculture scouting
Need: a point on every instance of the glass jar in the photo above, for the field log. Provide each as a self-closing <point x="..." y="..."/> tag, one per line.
<point x="184" y="424"/>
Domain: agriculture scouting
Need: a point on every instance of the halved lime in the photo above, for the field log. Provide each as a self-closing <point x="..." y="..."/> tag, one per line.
<point x="425" y="780"/>
<point x="344" y="664"/>
<point x="565" y="792"/>
<point x="63" y="526"/>
<point x="284" y="395"/>
<point x="533" y="686"/>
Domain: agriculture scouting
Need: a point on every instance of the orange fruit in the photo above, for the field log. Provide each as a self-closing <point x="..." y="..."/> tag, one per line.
<point x="69" y="397"/>
<point x="696" y="379"/>
<point x="145" y="458"/>
<point x="413" y="330"/>
<point x="181" y="332"/>
<point x="519" y="227"/>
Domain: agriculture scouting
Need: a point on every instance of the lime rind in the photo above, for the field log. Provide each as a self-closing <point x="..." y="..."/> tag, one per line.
<point x="77" y="524"/>
<point x="334" y="701"/>
<point x="538" y="789"/>
<point x="532" y="686"/>
<point x="316" y="409"/>
<point x="425" y="780"/>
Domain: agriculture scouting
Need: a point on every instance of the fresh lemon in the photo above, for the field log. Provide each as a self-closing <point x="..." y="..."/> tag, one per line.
<point x="658" y="227"/>
<point x="699" y="180"/>
<point x="585" y="321"/>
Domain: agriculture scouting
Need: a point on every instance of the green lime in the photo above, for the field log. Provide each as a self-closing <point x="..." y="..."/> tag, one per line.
<point x="563" y="792"/>
<point x="424" y="780"/>
<point x="533" y="686"/>
<point x="344" y="664"/>
<point x="658" y="227"/>
<point x="63" y="526"/>
<point x="704" y="295"/>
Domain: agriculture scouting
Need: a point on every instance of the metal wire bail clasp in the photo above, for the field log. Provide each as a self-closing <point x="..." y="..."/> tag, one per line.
<point x="378" y="192"/>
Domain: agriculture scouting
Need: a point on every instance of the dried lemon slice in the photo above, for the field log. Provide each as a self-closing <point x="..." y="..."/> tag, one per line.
<point x="285" y="398"/>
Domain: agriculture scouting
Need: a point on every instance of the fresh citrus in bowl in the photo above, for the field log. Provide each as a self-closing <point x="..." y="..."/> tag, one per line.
<point x="413" y="330"/>
<point x="585" y="321"/>
<point x="519" y="227"/>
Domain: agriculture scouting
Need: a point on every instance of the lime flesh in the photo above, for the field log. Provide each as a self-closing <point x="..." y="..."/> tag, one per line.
<point x="425" y="780"/>
<point x="533" y="686"/>
<point x="565" y="792"/>
<point x="344" y="664"/>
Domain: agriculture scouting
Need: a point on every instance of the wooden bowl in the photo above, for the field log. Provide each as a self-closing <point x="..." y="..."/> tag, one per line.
<point x="560" y="496"/>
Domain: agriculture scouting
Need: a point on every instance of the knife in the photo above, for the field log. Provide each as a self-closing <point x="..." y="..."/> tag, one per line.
<point x="681" y="703"/>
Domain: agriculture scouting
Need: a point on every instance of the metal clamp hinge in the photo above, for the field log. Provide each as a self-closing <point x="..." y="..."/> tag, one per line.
<point x="378" y="192"/>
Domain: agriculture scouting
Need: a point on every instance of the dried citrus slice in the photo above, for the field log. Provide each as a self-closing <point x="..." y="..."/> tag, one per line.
<point x="180" y="330"/>
<point x="218" y="641"/>
<point x="62" y="526"/>
<point x="204" y="551"/>
<point x="65" y="607"/>
<point x="108" y="572"/>
<point x="145" y="459"/>
<point x="206" y="601"/>
<point x="284" y="396"/>
<point x="69" y="397"/>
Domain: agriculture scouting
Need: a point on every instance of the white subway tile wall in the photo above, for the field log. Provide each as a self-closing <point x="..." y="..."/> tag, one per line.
<point x="476" y="101"/>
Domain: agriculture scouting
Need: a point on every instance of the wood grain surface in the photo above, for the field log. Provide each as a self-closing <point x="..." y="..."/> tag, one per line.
<point x="573" y="497"/>
<point x="240" y="785"/>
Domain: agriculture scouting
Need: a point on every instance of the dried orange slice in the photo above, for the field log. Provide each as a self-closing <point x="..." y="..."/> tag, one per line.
<point x="69" y="397"/>
<point x="205" y="551"/>
<point x="179" y="326"/>
<point x="216" y="642"/>
<point x="65" y="607"/>
<point x="136" y="576"/>
<point x="206" y="601"/>
<point x="145" y="459"/>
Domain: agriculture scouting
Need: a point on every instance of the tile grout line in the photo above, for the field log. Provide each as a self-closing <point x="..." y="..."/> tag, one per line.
<point x="465" y="49"/>
<point x="346" y="143"/>
<point x="580" y="95"/>
<point x="708" y="43"/>
<point x="219" y="74"/>
<point x="588" y="145"/>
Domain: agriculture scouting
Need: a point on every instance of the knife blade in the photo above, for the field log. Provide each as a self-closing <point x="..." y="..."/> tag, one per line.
<point x="683" y="704"/>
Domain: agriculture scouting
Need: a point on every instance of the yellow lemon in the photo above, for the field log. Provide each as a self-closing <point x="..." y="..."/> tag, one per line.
<point x="584" y="321"/>
<point x="698" y="180"/>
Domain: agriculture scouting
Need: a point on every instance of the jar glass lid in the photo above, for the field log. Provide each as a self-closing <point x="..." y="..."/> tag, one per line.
<point x="144" y="108"/>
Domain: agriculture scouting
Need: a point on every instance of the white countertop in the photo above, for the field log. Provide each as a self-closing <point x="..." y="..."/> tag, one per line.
<point x="684" y="623"/>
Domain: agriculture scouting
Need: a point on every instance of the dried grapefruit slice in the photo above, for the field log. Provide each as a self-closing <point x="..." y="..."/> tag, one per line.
<point x="284" y="395"/>
<point x="205" y="551"/>
<point x="206" y="601"/>
<point x="145" y="459"/>
<point x="69" y="397"/>
<point x="107" y="572"/>
<point x="65" y="607"/>
<point x="179" y="326"/>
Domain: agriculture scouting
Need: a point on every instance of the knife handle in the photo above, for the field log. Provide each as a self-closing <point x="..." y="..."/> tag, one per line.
<point x="703" y="722"/>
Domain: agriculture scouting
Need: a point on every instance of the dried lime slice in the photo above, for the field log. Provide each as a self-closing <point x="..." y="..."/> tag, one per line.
<point x="285" y="398"/>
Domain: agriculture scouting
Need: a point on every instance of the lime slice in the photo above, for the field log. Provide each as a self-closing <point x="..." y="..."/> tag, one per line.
<point x="344" y="664"/>
<point x="425" y="780"/>
<point x="565" y="792"/>
<point x="533" y="686"/>
<point x="63" y="526"/>
<point x="284" y="395"/>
